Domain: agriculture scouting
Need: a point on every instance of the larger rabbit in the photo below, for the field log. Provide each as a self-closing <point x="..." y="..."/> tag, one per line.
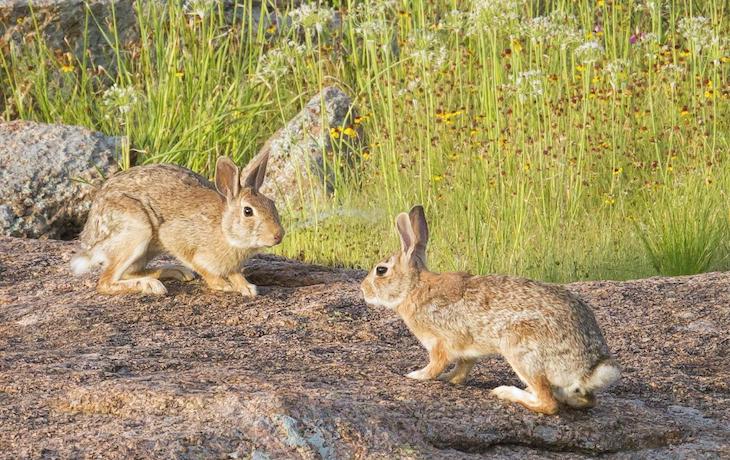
<point x="149" y="210"/>
<point x="549" y="336"/>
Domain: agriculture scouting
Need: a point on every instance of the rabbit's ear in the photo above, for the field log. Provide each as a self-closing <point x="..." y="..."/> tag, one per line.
<point x="405" y="230"/>
<point x="256" y="173"/>
<point x="226" y="177"/>
<point x="420" y="230"/>
<point x="262" y="171"/>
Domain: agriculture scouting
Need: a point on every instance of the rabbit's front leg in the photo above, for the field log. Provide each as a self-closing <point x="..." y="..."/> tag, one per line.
<point x="214" y="281"/>
<point x="438" y="360"/>
<point x="239" y="282"/>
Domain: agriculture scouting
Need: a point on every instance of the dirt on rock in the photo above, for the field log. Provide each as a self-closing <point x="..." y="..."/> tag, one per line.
<point x="307" y="370"/>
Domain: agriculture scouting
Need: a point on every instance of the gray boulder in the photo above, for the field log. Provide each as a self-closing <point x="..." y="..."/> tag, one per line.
<point x="48" y="174"/>
<point x="312" y="151"/>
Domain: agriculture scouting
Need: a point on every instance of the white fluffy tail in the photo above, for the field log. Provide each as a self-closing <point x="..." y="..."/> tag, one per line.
<point x="80" y="263"/>
<point x="606" y="373"/>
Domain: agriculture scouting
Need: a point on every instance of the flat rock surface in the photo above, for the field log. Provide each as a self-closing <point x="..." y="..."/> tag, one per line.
<point x="307" y="370"/>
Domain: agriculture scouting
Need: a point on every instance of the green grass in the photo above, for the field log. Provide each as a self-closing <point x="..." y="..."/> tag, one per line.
<point x="533" y="152"/>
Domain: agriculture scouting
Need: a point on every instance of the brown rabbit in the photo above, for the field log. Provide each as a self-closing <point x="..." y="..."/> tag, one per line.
<point x="149" y="210"/>
<point x="549" y="336"/>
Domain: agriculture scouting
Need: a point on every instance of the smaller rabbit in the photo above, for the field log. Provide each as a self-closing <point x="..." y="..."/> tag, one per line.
<point x="549" y="336"/>
<point x="149" y="210"/>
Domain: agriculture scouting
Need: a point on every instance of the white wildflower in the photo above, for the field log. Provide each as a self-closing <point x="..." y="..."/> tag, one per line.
<point x="370" y="8"/>
<point x="618" y="73"/>
<point x="373" y="30"/>
<point x="673" y="74"/>
<point x="277" y="62"/>
<point x="426" y="49"/>
<point x="199" y="8"/>
<point x="119" y="99"/>
<point x="589" y="52"/>
<point x="651" y="7"/>
<point x="494" y="15"/>
<point x="410" y="88"/>
<point x="312" y="16"/>
<point x="527" y="85"/>
<point x="698" y="32"/>
<point x="453" y="21"/>
<point x="558" y="28"/>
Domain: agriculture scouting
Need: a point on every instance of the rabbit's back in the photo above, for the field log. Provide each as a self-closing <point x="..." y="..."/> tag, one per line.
<point x="163" y="192"/>
<point x="503" y="314"/>
<point x="160" y="183"/>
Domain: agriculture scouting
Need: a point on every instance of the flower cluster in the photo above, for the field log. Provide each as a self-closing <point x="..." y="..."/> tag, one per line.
<point x="618" y="73"/>
<point x="697" y="31"/>
<point x="558" y="28"/>
<point x="527" y="85"/>
<point x="311" y="16"/>
<point x="493" y="16"/>
<point x="589" y="52"/>
<point x="426" y="50"/>
<point x="119" y="100"/>
<point x="199" y="8"/>
<point x="277" y="62"/>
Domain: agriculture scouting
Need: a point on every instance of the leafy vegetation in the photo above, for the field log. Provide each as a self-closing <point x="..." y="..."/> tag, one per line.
<point x="555" y="139"/>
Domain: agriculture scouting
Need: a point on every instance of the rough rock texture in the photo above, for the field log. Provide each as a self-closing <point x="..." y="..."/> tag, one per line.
<point x="62" y="24"/>
<point x="48" y="174"/>
<point x="309" y="371"/>
<point x="305" y="156"/>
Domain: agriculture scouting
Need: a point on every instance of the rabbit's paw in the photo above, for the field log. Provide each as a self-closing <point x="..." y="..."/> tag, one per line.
<point x="420" y="374"/>
<point x="151" y="286"/>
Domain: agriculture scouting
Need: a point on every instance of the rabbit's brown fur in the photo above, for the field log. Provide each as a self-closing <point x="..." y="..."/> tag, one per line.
<point x="149" y="210"/>
<point x="549" y="336"/>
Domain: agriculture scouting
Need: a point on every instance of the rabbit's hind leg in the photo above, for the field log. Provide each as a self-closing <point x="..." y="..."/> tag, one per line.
<point x="538" y="397"/>
<point x="127" y="254"/>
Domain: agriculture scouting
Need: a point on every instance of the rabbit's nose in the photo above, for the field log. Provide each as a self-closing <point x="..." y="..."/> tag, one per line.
<point x="278" y="236"/>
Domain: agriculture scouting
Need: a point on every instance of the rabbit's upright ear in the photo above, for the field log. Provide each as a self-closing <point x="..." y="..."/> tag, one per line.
<point x="419" y="226"/>
<point x="226" y="177"/>
<point x="257" y="173"/>
<point x="405" y="230"/>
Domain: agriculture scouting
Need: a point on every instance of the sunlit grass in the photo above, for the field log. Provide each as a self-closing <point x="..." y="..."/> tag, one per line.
<point x="561" y="140"/>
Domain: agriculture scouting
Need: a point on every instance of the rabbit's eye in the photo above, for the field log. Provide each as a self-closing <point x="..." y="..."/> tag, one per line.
<point x="380" y="271"/>
<point x="247" y="211"/>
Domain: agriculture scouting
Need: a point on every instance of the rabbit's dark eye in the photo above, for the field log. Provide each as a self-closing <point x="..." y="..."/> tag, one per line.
<point x="381" y="270"/>
<point x="247" y="211"/>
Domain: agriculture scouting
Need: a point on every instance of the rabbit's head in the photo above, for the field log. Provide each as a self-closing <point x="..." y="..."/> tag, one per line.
<point x="391" y="280"/>
<point x="250" y="219"/>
